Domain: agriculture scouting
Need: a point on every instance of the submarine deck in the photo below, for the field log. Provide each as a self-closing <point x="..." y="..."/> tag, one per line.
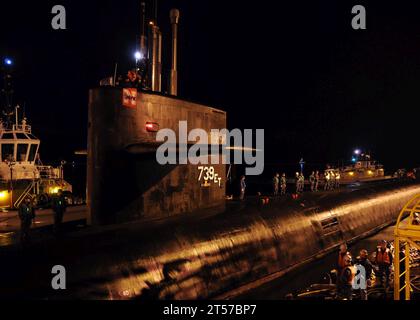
<point x="77" y="215"/>
<point x="88" y="252"/>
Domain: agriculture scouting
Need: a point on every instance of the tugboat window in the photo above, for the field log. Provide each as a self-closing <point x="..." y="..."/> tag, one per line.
<point x="22" y="150"/>
<point x="21" y="136"/>
<point x="8" y="136"/>
<point x="7" y="151"/>
<point x="32" y="152"/>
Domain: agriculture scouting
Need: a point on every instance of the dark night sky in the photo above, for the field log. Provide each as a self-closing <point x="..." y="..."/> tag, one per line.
<point x="300" y="71"/>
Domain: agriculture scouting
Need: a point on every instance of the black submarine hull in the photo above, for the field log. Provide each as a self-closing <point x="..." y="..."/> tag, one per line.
<point x="207" y="256"/>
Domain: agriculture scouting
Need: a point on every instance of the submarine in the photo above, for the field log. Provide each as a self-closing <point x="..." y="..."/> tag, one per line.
<point x="158" y="232"/>
<point x="216" y="255"/>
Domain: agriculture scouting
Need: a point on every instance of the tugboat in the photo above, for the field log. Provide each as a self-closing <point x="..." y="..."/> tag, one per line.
<point x="363" y="169"/>
<point x="22" y="174"/>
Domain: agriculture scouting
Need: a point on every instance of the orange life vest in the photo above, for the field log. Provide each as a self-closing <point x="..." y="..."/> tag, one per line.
<point x="353" y="271"/>
<point x="383" y="257"/>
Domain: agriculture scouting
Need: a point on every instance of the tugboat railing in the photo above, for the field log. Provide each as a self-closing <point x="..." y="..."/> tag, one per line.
<point x="48" y="172"/>
<point x="28" y="192"/>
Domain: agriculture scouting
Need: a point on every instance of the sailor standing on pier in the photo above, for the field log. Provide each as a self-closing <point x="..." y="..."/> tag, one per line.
<point x="26" y="215"/>
<point x="301" y="182"/>
<point x="276" y="182"/>
<point x="283" y="184"/>
<point x="316" y="181"/>
<point x="327" y="178"/>
<point x="297" y="182"/>
<point x="59" y="207"/>
<point x="337" y="179"/>
<point x="312" y="181"/>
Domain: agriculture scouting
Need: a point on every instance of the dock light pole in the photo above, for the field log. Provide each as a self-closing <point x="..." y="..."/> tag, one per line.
<point x="301" y="163"/>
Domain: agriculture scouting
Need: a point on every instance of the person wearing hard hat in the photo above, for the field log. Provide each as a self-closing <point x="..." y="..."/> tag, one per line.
<point x="383" y="259"/>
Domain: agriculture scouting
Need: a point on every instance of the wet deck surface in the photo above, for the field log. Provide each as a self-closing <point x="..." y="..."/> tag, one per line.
<point x="41" y="226"/>
<point x="10" y="222"/>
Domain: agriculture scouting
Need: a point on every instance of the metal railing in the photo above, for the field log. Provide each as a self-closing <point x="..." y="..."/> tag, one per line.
<point x="21" y="127"/>
<point x="28" y="192"/>
<point x="407" y="234"/>
<point x="49" y="172"/>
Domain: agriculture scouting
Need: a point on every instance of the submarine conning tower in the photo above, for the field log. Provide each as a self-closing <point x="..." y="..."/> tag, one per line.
<point x="125" y="181"/>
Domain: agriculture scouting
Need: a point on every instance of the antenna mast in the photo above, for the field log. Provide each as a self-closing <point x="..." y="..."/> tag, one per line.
<point x="7" y="90"/>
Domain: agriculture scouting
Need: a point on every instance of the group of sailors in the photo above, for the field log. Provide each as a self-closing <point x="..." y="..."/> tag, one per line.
<point x="27" y="214"/>
<point x="349" y="272"/>
<point x="133" y="79"/>
<point x="279" y="181"/>
<point x="331" y="179"/>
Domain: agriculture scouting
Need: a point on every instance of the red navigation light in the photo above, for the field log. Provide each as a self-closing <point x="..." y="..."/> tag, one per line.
<point x="152" y="127"/>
